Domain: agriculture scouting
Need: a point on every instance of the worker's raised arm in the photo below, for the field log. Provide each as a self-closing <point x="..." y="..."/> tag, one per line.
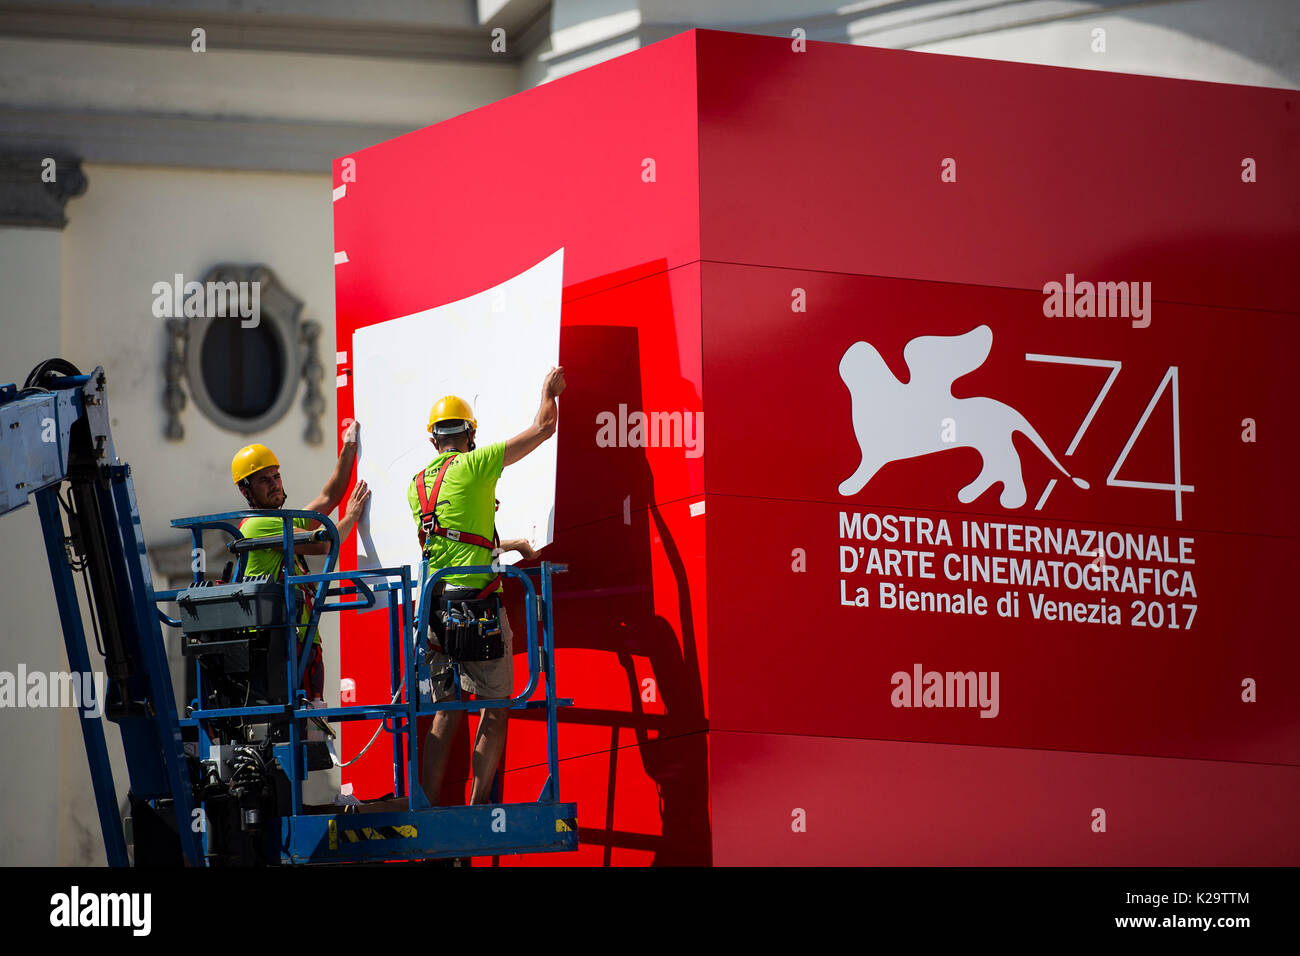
<point x="356" y="505"/>
<point x="332" y="493"/>
<point x="543" y="426"/>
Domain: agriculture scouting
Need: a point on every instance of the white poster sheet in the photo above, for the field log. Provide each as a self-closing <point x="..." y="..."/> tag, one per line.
<point x="492" y="349"/>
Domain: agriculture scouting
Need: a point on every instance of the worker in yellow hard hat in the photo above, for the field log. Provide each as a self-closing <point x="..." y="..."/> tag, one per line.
<point x="256" y="473"/>
<point x="454" y="506"/>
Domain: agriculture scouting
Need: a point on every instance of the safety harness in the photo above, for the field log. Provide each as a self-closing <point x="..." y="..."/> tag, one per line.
<point x="429" y="517"/>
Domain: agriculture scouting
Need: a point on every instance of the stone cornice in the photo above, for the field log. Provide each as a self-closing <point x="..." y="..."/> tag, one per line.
<point x="167" y="140"/>
<point x="246" y="30"/>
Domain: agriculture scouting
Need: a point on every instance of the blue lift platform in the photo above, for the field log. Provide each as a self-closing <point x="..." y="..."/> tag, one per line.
<point x="55" y="430"/>
<point x="421" y="831"/>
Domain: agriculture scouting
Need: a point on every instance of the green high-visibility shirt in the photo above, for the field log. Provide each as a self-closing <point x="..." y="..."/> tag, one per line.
<point x="466" y="502"/>
<point x="269" y="561"/>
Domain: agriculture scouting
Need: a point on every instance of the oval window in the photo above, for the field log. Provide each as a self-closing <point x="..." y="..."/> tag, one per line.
<point x="243" y="374"/>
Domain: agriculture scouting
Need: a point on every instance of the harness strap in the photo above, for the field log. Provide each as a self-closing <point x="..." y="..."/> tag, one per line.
<point x="427" y="511"/>
<point x="307" y="590"/>
<point x="429" y="516"/>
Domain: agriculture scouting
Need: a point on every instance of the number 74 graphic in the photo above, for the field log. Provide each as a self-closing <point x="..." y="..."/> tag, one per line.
<point x="1169" y="381"/>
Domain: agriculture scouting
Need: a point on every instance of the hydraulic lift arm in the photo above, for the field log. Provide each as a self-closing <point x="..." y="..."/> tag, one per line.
<point x="54" y="430"/>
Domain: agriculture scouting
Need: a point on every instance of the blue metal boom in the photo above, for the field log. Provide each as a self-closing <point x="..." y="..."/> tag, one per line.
<point x="57" y="430"/>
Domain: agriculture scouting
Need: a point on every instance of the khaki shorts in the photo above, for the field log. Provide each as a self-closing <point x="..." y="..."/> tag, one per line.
<point x="488" y="680"/>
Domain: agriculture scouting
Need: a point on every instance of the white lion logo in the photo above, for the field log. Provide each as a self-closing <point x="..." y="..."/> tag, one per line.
<point x="893" y="421"/>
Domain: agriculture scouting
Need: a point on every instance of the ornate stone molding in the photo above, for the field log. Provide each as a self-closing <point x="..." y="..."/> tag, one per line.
<point x="28" y="197"/>
<point x="313" y="400"/>
<point x="174" y="370"/>
<point x="279" y="316"/>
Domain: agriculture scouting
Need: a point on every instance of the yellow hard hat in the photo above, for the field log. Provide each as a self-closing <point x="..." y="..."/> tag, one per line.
<point x="250" y="459"/>
<point x="451" y="408"/>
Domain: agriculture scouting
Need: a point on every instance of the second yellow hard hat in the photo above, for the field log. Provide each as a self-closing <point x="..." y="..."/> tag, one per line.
<point x="250" y="459"/>
<point x="450" y="408"/>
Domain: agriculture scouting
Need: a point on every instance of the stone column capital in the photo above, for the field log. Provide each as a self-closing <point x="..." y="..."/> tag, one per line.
<point x="34" y="189"/>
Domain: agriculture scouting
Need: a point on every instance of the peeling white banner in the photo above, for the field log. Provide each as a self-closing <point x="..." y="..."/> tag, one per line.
<point x="492" y="349"/>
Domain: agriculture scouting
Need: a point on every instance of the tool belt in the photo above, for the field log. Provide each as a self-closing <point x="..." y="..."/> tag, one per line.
<point x="467" y="625"/>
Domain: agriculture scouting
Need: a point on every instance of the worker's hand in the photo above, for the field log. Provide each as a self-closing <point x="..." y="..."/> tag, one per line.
<point x="526" y="550"/>
<point x="353" y="433"/>
<point x="554" y="383"/>
<point x="357" y="503"/>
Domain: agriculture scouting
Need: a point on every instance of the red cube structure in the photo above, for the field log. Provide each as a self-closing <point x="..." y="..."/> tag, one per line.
<point x="987" y="559"/>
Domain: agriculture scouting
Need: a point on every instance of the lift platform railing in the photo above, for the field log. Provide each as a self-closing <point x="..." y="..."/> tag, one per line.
<point x="539" y="664"/>
<point x="409" y="676"/>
